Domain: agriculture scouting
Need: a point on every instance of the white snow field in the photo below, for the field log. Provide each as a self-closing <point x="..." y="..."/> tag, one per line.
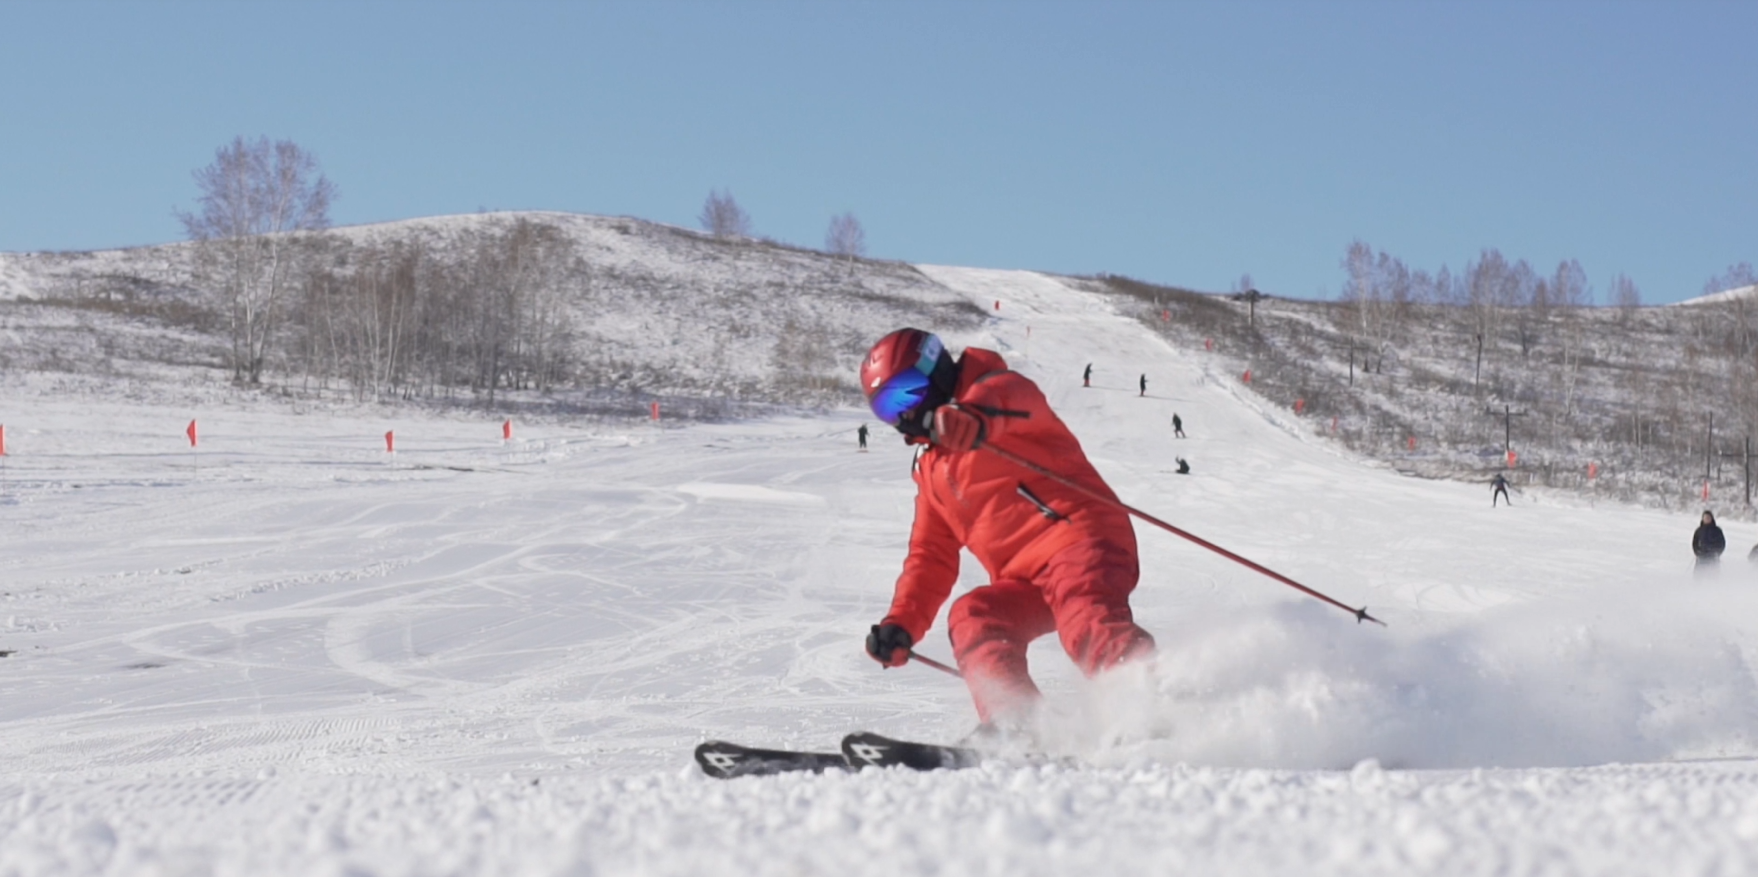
<point x="289" y="652"/>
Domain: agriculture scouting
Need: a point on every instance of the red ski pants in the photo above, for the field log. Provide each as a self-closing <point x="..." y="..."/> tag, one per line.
<point x="1082" y="594"/>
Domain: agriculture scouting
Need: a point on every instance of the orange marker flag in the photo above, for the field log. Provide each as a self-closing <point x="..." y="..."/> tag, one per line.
<point x="191" y="433"/>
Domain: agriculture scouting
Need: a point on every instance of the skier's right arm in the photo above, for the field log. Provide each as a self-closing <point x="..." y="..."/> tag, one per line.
<point x="929" y="572"/>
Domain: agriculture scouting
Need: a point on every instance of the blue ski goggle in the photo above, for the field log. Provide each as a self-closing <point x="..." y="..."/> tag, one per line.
<point x="899" y="396"/>
<point x="907" y="388"/>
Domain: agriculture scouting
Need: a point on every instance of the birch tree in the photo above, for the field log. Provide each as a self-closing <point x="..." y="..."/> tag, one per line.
<point x="845" y="237"/>
<point x="257" y="197"/>
<point x="723" y="217"/>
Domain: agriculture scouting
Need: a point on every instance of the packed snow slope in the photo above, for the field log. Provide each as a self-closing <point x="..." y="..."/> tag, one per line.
<point x="290" y="652"/>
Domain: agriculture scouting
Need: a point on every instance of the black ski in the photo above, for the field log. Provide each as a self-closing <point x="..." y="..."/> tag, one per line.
<point x="867" y="749"/>
<point x="728" y="760"/>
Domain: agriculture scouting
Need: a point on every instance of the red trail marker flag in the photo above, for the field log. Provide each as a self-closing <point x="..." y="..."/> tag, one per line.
<point x="191" y="433"/>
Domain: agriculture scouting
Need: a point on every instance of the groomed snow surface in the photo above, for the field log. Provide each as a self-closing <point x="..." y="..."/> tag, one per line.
<point x="289" y="652"/>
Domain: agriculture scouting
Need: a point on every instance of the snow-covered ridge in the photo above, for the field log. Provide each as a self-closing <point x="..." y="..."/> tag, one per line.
<point x="1742" y="293"/>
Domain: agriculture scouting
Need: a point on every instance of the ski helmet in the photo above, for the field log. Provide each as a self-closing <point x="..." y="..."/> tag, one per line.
<point x="907" y="374"/>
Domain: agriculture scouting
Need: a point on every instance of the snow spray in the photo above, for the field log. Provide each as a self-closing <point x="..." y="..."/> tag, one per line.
<point x="1552" y="682"/>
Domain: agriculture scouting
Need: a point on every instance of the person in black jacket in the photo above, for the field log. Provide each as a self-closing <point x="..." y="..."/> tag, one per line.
<point x="1498" y="490"/>
<point x="1708" y="543"/>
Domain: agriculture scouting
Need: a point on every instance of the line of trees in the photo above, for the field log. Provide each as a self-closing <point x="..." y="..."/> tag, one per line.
<point x="488" y="311"/>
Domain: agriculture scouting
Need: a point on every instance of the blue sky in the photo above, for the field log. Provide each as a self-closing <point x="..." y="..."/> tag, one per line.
<point x="1184" y="143"/>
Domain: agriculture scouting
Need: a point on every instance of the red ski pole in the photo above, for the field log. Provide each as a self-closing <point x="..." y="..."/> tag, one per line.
<point x="1360" y="614"/>
<point x="916" y="656"/>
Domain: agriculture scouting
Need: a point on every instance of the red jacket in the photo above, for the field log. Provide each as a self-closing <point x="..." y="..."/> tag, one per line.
<point x="973" y="499"/>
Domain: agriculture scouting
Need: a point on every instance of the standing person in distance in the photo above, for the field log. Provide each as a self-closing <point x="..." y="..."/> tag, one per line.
<point x="1499" y="490"/>
<point x="1708" y="543"/>
<point x="1144" y="385"/>
<point x="1086" y="377"/>
<point x="861" y="436"/>
<point x="1177" y="426"/>
<point x="1058" y="561"/>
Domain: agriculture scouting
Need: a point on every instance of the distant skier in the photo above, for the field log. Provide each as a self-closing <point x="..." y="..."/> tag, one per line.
<point x="1183" y="467"/>
<point x="1058" y="560"/>
<point x="1499" y="488"/>
<point x="1144" y="385"/>
<point x="1708" y="543"/>
<point x="861" y="436"/>
<point x="1177" y="426"/>
<point x="1086" y="377"/>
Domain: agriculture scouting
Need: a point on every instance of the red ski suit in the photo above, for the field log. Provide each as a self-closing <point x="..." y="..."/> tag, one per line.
<point x="1068" y="570"/>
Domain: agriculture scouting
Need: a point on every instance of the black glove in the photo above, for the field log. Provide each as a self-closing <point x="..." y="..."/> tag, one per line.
<point x="889" y="644"/>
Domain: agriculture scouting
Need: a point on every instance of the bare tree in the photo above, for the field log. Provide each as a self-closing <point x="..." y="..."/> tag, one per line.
<point x="845" y="237"/>
<point x="1367" y="307"/>
<point x="1625" y="296"/>
<point x="723" y="217"/>
<point x="256" y="197"/>
<point x="1737" y="277"/>
<point x="1568" y="286"/>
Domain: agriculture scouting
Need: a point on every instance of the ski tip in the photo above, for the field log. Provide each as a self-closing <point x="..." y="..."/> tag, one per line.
<point x="1361" y="615"/>
<point x="866" y="749"/>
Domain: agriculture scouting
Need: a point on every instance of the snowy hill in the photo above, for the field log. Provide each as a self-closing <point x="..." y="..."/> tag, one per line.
<point x="288" y="652"/>
<point x="643" y="310"/>
<point x="1603" y="403"/>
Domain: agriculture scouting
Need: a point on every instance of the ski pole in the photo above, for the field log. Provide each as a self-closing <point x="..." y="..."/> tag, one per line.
<point x="1360" y="614"/>
<point x="917" y="656"/>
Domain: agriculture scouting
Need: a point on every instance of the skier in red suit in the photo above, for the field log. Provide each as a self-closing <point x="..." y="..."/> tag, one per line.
<point x="1057" y="561"/>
